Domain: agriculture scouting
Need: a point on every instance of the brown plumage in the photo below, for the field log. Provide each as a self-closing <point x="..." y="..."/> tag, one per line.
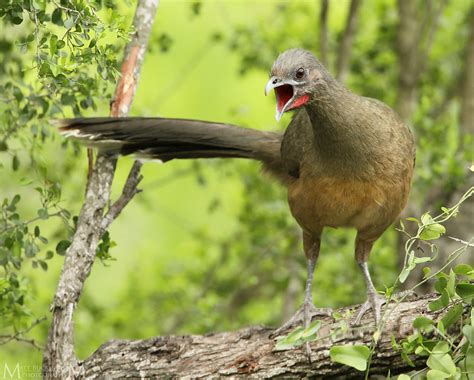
<point x="346" y="160"/>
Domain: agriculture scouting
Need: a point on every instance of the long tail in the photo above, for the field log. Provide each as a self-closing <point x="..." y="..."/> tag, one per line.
<point x="167" y="139"/>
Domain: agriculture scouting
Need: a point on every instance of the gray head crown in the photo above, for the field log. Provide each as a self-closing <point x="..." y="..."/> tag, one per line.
<point x="290" y="60"/>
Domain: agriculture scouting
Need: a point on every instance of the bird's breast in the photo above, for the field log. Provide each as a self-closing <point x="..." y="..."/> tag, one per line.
<point x="329" y="201"/>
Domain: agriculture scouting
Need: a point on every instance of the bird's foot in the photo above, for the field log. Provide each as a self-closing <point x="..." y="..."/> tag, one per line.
<point x="374" y="301"/>
<point x="303" y="316"/>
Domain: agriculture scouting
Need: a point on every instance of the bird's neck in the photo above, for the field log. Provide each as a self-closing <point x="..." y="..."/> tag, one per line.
<point x="339" y="125"/>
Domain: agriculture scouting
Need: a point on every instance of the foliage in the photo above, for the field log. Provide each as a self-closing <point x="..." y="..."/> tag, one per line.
<point x="207" y="246"/>
<point x="56" y="60"/>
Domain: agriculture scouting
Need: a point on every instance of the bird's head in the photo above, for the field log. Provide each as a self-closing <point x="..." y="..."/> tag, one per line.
<point x="295" y="77"/>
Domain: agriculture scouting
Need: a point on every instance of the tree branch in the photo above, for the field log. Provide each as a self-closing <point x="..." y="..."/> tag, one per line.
<point x="130" y="189"/>
<point x="345" y="47"/>
<point x="59" y="361"/>
<point x="323" y="33"/>
<point x="250" y="352"/>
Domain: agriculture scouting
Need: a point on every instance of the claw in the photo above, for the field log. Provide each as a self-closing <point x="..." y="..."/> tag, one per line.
<point x="303" y="316"/>
<point x="374" y="302"/>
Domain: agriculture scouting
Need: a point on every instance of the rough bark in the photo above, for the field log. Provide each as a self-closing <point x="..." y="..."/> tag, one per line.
<point x="323" y="33"/>
<point x="345" y="47"/>
<point x="59" y="361"/>
<point x="249" y="353"/>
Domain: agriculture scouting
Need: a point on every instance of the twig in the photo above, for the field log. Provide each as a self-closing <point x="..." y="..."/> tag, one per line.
<point x="17" y="336"/>
<point x="129" y="190"/>
<point x="469" y="244"/>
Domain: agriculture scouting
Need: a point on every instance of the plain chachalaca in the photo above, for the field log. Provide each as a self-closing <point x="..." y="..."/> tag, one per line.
<point x="346" y="160"/>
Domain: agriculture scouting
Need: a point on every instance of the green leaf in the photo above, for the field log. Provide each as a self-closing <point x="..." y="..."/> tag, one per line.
<point x="426" y="218"/>
<point x="442" y="362"/>
<point x="43" y="265"/>
<point x="295" y="335"/>
<point x="404" y="273"/>
<point x="468" y="332"/>
<point x="43" y="213"/>
<point x="450" y="286"/>
<point x="468" y="362"/>
<point x="432" y="231"/>
<point x="56" y="17"/>
<point x="62" y="246"/>
<point x="283" y="345"/>
<point x="440" y="302"/>
<point x="407" y="359"/>
<point x="424" y="259"/>
<point x="426" y="272"/>
<point x="68" y="99"/>
<point x="355" y="356"/>
<point x="465" y="291"/>
<point x="30" y="249"/>
<point x="453" y="315"/>
<point x="312" y="330"/>
<point x="440" y="327"/>
<point x="403" y="377"/>
<point x="441" y="284"/>
<point x="434" y="374"/>
<point x="423" y="323"/>
<point x="16" y="199"/>
<point x="53" y="44"/>
<point x="462" y="269"/>
<point x="290" y="341"/>
<point x="15" y="163"/>
<point x="69" y="22"/>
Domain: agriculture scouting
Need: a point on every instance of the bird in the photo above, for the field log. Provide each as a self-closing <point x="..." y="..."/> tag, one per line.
<point x="346" y="160"/>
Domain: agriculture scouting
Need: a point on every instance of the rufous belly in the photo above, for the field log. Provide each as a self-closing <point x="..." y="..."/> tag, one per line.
<point x="335" y="202"/>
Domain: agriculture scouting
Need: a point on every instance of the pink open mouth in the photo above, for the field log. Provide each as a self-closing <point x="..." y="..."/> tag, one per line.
<point x="283" y="95"/>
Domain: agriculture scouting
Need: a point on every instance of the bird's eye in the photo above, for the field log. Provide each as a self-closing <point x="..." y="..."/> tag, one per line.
<point x="299" y="73"/>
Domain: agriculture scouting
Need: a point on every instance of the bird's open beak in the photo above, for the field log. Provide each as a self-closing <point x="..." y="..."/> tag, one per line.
<point x="284" y="92"/>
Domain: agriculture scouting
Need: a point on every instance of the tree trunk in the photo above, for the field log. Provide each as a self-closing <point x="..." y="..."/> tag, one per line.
<point x="408" y="57"/>
<point x="249" y="353"/>
<point x="323" y="33"/>
<point x="345" y="47"/>
<point x="466" y="115"/>
<point x="59" y="361"/>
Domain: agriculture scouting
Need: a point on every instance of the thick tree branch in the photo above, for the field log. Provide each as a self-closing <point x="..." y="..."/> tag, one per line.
<point x="250" y="352"/>
<point x="345" y="47"/>
<point x="59" y="357"/>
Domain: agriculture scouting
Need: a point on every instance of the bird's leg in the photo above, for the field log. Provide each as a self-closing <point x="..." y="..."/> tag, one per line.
<point x="374" y="300"/>
<point x="307" y="311"/>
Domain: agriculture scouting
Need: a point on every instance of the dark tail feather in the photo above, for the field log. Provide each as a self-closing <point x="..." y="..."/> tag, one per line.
<point x="166" y="139"/>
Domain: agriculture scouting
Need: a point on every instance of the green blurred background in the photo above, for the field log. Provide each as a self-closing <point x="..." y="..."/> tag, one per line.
<point x="210" y="245"/>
